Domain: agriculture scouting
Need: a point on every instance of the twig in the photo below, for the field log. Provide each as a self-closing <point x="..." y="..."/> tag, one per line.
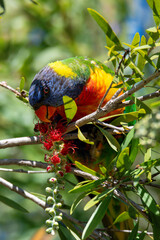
<point x="128" y="201"/>
<point x="112" y="104"/>
<point x="141" y="98"/>
<point x="4" y="84"/>
<point x="23" y="162"/>
<point x="119" y="129"/>
<point x="21" y="141"/>
<point x="41" y="203"/>
<point x="12" y="142"/>
<point x="21" y="171"/>
<point x="102" y="100"/>
<point x="22" y="192"/>
<point x="124" y="231"/>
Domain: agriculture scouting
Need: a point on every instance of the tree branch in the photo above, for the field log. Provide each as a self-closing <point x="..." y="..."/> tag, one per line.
<point x="22" y="192"/>
<point x="21" y="171"/>
<point x="112" y="104"/>
<point x="23" y="162"/>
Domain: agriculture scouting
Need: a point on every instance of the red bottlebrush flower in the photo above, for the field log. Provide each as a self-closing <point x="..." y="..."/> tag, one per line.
<point x="48" y="144"/>
<point x="56" y="135"/>
<point x="49" y="168"/>
<point x="55" y="159"/>
<point x="68" y="167"/>
<point x="41" y="127"/>
<point x="67" y="147"/>
<point x="61" y="173"/>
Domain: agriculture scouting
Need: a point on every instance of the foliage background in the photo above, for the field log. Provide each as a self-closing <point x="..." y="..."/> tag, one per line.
<point x="31" y="36"/>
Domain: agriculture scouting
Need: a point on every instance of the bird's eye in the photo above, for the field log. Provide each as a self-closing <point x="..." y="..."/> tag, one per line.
<point x="46" y="90"/>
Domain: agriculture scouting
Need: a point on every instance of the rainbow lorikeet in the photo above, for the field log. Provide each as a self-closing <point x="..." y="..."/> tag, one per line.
<point x="84" y="80"/>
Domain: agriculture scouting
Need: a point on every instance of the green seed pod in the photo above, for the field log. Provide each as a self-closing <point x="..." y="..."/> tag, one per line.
<point x="49" y="190"/>
<point x="49" y="222"/>
<point x="47" y="209"/>
<point x="49" y="230"/>
<point x="59" y="205"/>
<point x="50" y="200"/>
<point x="58" y="218"/>
<point x="52" y="212"/>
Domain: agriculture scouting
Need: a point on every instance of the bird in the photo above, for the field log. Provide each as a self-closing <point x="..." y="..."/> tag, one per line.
<point x="86" y="81"/>
<point x="83" y="79"/>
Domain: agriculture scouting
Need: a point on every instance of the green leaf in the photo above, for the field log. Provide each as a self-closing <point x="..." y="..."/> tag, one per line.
<point x="147" y="200"/>
<point x="22" y="82"/>
<point x="122" y="217"/>
<point x="134" y="233"/>
<point x="153" y="33"/>
<point x="70" y="108"/>
<point x="123" y="161"/>
<point x="127" y="139"/>
<point x="82" y="137"/>
<point x="2" y="7"/>
<point x="141" y="59"/>
<point x="136" y="40"/>
<point x="86" y="187"/>
<point x="112" y="39"/>
<point x="133" y="150"/>
<point x="86" y="169"/>
<point x="155" y="6"/>
<point x="141" y="104"/>
<point x="96" y="217"/>
<point x="128" y="117"/>
<point x="12" y="204"/>
<point x="77" y="201"/>
<point x="110" y="139"/>
<point x="98" y="198"/>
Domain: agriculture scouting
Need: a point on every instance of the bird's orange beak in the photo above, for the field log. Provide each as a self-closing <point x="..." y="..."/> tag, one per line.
<point x="45" y="113"/>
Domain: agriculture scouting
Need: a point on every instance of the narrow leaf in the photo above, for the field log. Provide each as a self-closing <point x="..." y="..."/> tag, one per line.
<point x="110" y="139"/>
<point x="122" y="217"/>
<point x="123" y="162"/>
<point x="86" y="187"/>
<point x="22" y="82"/>
<point x="98" y="198"/>
<point x="86" y="169"/>
<point x="104" y="25"/>
<point x="12" y="204"/>
<point x="155" y="6"/>
<point x="147" y="200"/>
<point x="77" y="201"/>
<point x="83" y="138"/>
<point x="96" y="217"/>
<point x="70" y="108"/>
<point x="133" y="234"/>
<point x="141" y="60"/>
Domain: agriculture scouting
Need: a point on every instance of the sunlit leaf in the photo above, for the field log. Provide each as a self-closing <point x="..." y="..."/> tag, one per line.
<point x="12" y="204"/>
<point x="86" y="187"/>
<point x="83" y="138"/>
<point x="123" y="161"/>
<point x="155" y="6"/>
<point x="96" y="217"/>
<point x="110" y="139"/>
<point x="147" y="200"/>
<point x="98" y="198"/>
<point x="86" y="169"/>
<point x="141" y="60"/>
<point x="70" y="108"/>
<point x="122" y="217"/>
<point x="141" y="104"/>
<point x="128" y="117"/>
<point x="112" y="39"/>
